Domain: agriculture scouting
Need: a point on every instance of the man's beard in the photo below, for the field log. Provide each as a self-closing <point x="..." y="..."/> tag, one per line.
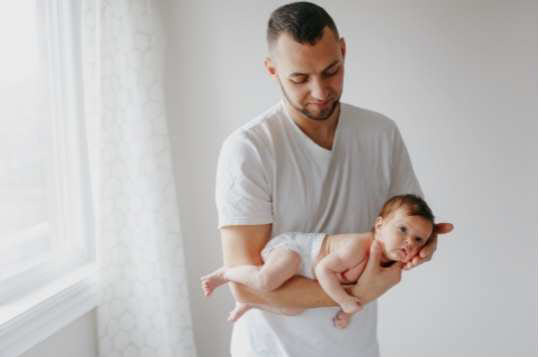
<point x="322" y="115"/>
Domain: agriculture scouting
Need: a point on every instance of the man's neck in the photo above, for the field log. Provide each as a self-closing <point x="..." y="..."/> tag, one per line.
<point x="320" y="131"/>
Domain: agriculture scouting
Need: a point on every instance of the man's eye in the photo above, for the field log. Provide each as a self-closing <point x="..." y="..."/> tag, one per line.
<point x="332" y="71"/>
<point x="418" y="240"/>
<point x="403" y="229"/>
<point x="298" y="80"/>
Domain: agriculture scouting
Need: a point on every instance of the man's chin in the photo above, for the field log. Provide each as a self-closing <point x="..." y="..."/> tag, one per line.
<point x="318" y="117"/>
<point x="323" y="114"/>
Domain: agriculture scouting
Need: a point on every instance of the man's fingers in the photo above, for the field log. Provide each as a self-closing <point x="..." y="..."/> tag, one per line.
<point x="426" y="253"/>
<point x="428" y="250"/>
<point x="443" y="228"/>
<point x="410" y="266"/>
<point x="413" y="263"/>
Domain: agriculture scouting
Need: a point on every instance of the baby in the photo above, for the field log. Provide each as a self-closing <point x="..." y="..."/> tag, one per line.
<point x="403" y="226"/>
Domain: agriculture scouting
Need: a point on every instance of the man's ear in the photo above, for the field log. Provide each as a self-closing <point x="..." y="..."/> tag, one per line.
<point x="270" y="66"/>
<point x="342" y="43"/>
<point x="378" y="223"/>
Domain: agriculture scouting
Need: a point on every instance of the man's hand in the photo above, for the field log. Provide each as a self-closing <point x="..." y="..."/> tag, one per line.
<point x="375" y="279"/>
<point x="426" y="253"/>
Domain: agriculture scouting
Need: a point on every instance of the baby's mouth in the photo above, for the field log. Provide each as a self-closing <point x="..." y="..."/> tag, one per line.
<point x="402" y="254"/>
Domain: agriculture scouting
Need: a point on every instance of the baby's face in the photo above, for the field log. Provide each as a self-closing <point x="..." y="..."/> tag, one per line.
<point x="402" y="235"/>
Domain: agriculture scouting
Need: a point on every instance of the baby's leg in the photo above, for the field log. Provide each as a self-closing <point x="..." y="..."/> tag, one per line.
<point x="281" y="265"/>
<point x="341" y="319"/>
<point x="213" y="280"/>
<point x="244" y="274"/>
<point x="238" y="311"/>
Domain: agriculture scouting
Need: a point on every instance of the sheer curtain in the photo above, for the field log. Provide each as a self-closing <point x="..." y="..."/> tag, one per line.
<point x="144" y="306"/>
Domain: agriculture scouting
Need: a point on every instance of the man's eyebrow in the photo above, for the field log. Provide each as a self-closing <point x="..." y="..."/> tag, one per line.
<point x="294" y="74"/>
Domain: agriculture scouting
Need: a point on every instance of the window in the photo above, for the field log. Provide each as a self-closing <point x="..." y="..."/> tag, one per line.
<point x="46" y="215"/>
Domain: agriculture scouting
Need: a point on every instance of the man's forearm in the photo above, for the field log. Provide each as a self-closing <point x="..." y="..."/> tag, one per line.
<point x="242" y="245"/>
<point x="297" y="292"/>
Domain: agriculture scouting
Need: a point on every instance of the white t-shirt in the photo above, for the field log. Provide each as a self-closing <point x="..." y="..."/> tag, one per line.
<point x="269" y="171"/>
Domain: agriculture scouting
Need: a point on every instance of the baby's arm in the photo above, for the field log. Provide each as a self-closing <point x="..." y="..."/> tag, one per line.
<point x="330" y="266"/>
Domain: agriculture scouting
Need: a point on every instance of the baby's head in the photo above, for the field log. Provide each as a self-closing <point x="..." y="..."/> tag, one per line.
<point x="403" y="226"/>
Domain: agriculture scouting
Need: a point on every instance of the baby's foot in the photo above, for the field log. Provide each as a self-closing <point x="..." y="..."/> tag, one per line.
<point x="341" y="319"/>
<point x="213" y="280"/>
<point x="238" y="311"/>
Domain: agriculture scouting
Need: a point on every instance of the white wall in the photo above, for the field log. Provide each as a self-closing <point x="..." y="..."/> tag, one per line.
<point x="460" y="79"/>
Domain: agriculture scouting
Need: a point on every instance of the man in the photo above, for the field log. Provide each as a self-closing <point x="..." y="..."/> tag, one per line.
<point x="309" y="164"/>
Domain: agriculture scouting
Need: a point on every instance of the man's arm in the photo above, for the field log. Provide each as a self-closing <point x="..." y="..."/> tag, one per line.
<point x="243" y="196"/>
<point x="242" y="245"/>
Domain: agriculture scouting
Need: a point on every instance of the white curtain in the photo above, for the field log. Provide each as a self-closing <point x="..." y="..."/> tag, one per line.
<point x="144" y="307"/>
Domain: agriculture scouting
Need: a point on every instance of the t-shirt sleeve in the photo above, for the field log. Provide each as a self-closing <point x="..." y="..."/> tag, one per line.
<point x="403" y="178"/>
<point x="242" y="194"/>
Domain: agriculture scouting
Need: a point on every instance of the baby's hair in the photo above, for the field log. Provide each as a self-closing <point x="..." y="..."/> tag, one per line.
<point x="413" y="204"/>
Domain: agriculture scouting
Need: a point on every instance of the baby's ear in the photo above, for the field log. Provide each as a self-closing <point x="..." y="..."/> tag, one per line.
<point x="378" y="223"/>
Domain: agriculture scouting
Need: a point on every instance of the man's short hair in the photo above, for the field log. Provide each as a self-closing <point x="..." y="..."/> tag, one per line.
<point x="303" y="20"/>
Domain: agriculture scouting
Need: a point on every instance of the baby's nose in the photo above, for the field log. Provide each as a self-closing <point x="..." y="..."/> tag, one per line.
<point x="408" y="247"/>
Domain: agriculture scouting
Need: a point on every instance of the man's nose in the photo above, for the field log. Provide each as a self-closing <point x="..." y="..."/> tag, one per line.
<point x="319" y="90"/>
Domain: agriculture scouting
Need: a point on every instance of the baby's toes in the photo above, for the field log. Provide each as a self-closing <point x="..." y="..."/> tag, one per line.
<point x="339" y="323"/>
<point x="341" y="320"/>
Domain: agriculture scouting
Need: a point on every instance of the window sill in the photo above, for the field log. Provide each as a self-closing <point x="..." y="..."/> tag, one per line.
<point x="32" y="319"/>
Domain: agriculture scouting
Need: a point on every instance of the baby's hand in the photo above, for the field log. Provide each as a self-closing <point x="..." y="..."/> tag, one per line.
<point x="353" y="304"/>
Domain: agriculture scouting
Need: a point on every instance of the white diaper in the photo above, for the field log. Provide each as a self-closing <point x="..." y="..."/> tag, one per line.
<point x="307" y="245"/>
